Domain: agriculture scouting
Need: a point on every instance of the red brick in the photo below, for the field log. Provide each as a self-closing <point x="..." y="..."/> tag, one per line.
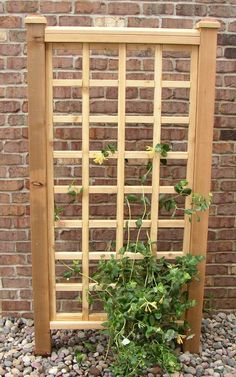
<point x="15" y="283"/>
<point x="10" y="159"/>
<point x="220" y="246"/>
<point x="16" y="120"/>
<point x="24" y="271"/>
<point x="10" y="22"/>
<point x="225" y="258"/>
<point x="9" y="106"/>
<point x="16" y="92"/>
<point x="191" y="10"/>
<point x="223" y="148"/>
<point x="10" y="133"/>
<point x="216" y="270"/>
<point x="5" y="223"/>
<point x="16" y="63"/>
<point x="230" y="81"/>
<point x="225" y="66"/>
<point x="143" y="22"/>
<point x="16" y="172"/>
<point x="227" y="234"/>
<point x="228" y="186"/>
<point x="10" y="78"/>
<point x="92" y="7"/>
<point x="55" y="7"/>
<point x="226" y="209"/>
<point x="225" y="281"/>
<point x="15" y="305"/>
<point x="125" y="9"/>
<point x="75" y="21"/>
<point x="232" y="26"/>
<point x="222" y="11"/>
<point x="12" y="259"/>
<point x="221" y="222"/>
<point x="21" y="6"/>
<point x="223" y="303"/>
<point x="17" y="36"/>
<point x="11" y="210"/>
<point x="16" y="146"/>
<point x="152" y="9"/>
<point x="10" y="49"/>
<point x="177" y="23"/>
<point x="8" y="294"/>
<point x="10" y="185"/>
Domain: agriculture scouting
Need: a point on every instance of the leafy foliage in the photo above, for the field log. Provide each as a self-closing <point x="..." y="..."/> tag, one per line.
<point x="144" y="299"/>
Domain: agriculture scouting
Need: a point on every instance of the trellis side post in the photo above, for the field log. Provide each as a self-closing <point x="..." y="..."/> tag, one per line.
<point x="202" y="169"/>
<point x="38" y="180"/>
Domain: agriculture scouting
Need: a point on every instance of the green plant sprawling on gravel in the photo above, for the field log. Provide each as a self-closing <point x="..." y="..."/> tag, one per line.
<point x="146" y="298"/>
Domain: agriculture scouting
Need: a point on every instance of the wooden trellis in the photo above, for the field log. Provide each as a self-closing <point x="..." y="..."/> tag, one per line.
<point x="201" y="44"/>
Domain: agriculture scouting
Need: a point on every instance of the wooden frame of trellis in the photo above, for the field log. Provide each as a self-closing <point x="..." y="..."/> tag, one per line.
<point x="201" y="43"/>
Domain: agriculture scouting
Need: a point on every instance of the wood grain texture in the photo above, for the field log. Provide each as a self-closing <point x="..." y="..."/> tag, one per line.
<point x="38" y="184"/>
<point x="202" y="170"/>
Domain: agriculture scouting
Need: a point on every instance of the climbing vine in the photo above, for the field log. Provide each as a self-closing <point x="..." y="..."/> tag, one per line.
<point x="145" y="299"/>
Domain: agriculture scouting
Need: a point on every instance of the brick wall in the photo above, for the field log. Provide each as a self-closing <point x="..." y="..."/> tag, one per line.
<point x="15" y="267"/>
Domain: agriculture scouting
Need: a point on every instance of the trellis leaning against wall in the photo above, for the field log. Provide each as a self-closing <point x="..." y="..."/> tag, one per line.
<point x="201" y="44"/>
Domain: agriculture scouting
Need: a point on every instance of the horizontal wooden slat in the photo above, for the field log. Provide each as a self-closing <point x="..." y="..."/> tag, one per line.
<point x="128" y="154"/>
<point x="67" y="118"/>
<point x="130" y="47"/>
<point x="67" y="82"/>
<point x="78" y="317"/>
<point x="97" y="255"/>
<point x="113" y="189"/>
<point x="146" y="119"/>
<point x="75" y="324"/>
<point x="70" y="325"/>
<point x="175" y="120"/>
<point x="112" y="223"/>
<point x="129" y="83"/>
<point x="122" y="35"/>
<point x="175" y="84"/>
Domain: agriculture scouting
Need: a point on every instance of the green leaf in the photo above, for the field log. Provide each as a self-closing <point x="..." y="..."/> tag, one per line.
<point x="68" y="274"/>
<point x="131" y="198"/>
<point x="139" y="223"/>
<point x="170" y="335"/>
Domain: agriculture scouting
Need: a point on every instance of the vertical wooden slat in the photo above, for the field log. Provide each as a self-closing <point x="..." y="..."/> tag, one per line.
<point x="85" y="180"/>
<point x="156" y="140"/>
<point x="202" y="165"/>
<point x="38" y="180"/>
<point x="121" y="146"/>
<point x="191" y="140"/>
<point x="50" y="178"/>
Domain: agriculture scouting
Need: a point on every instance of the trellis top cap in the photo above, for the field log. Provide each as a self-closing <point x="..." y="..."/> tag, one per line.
<point x="35" y="19"/>
<point x="210" y="23"/>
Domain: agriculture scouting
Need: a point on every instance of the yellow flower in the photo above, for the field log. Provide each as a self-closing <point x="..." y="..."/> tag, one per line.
<point x="99" y="158"/>
<point x="161" y="300"/>
<point x="151" y="151"/>
<point x="180" y="338"/>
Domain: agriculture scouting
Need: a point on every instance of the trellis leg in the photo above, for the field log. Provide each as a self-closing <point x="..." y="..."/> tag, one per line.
<point x="202" y="168"/>
<point x="38" y="180"/>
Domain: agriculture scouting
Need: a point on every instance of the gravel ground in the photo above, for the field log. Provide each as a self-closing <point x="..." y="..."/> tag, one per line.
<point x="218" y="356"/>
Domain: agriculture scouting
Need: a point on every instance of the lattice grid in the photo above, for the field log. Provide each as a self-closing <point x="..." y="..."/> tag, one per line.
<point x="156" y="120"/>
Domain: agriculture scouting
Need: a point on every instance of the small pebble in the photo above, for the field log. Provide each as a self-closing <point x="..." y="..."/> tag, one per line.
<point x="218" y="357"/>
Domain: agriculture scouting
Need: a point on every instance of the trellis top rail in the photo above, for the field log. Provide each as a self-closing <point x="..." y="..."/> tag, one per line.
<point x="121" y="35"/>
<point x="61" y="34"/>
